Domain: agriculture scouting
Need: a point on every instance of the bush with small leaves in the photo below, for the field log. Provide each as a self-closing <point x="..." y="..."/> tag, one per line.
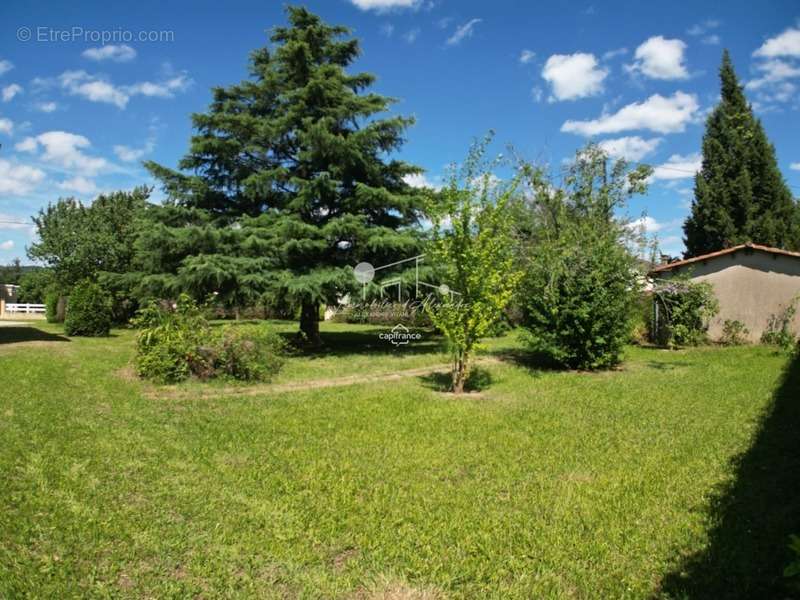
<point x="734" y="333"/>
<point x="247" y="352"/>
<point x="177" y="342"/>
<point x="88" y="311"/>
<point x="779" y="328"/>
<point x="684" y="309"/>
<point x="582" y="281"/>
<point x="168" y="346"/>
<point x="51" y="307"/>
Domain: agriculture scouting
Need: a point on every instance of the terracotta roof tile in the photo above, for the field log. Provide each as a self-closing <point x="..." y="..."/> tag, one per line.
<point x="703" y="257"/>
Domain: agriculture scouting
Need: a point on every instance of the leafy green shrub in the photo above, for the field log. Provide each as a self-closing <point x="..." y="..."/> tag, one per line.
<point x="51" y="307"/>
<point x="169" y="341"/>
<point x="247" y="352"/>
<point x="177" y="342"/>
<point x="779" y="328"/>
<point x="581" y="280"/>
<point x="581" y="294"/>
<point x="642" y="314"/>
<point x="88" y="311"/>
<point x="34" y="286"/>
<point x="734" y="333"/>
<point x="683" y="310"/>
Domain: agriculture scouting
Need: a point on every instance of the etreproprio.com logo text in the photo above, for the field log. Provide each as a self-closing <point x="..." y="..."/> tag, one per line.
<point x="44" y="34"/>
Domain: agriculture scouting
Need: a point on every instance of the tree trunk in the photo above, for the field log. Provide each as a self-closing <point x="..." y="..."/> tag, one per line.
<point x="309" y="323"/>
<point x="61" y="309"/>
<point x="460" y="374"/>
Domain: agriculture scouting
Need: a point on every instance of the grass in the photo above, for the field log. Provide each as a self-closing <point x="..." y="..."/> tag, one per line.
<point x="676" y="476"/>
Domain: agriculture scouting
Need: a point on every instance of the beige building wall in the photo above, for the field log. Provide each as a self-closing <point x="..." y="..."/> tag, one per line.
<point x="751" y="285"/>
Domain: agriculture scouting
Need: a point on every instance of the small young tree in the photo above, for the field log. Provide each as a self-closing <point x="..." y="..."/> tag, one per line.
<point x="581" y="279"/>
<point x="473" y="244"/>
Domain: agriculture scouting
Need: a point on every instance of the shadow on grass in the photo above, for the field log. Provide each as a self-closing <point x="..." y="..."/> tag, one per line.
<point x="479" y="379"/>
<point x="348" y="343"/>
<point x="754" y="514"/>
<point x="527" y="359"/>
<point x="25" y="333"/>
<point x="668" y="366"/>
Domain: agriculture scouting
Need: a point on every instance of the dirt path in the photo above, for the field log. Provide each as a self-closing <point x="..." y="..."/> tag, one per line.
<point x="277" y="388"/>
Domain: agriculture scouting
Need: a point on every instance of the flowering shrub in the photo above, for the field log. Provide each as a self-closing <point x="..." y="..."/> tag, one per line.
<point x="683" y="311"/>
<point x="175" y="343"/>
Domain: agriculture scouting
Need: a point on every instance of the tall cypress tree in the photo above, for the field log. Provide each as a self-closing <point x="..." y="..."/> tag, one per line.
<point x="287" y="182"/>
<point x="739" y="194"/>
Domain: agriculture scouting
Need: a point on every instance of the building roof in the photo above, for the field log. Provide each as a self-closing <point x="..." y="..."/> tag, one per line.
<point x="731" y="250"/>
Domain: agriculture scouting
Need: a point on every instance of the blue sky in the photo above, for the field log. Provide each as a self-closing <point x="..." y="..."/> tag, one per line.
<point x="79" y="112"/>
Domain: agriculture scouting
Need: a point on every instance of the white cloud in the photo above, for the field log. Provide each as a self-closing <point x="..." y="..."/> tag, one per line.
<point x="6" y="126"/>
<point x="65" y="150"/>
<point x="411" y="35"/>
<point x="444" y="22"/>
<point x="646" y="223"/>
<point x="671" y="244"/>
<point x="10" y="91"/>
<point x="129" y="154"/>
<point x="573" y="76"/>
<point x="18" y="179"/>
<point x="46" y="107"/>
<point x="660" y="58"/>
<point x="773" y="71"/>
<point x="784" y="44"/>
<point x="95" y="89"/>
<point x="79" y="185"/>
<point x="120" y="53"/>
<point x="526" y="56"/>
<point x="387" y="29"/>
<point x="678" y="167"/>
<point x="385" y="5"/>
<point x="537" y="94"/>
<point x="703" y="28"/>
<point x="614" y="53"/>
<point x="657" y="113"/>
<point x="418" y="180"/>
<point x="5" y="66"/>
<point x="165" y="89"/>
<point x="29" y="144"/>
<point x="711" y="40"/>
<point x="80" y="83"/>
<point x="795" y="166"/>
<point x="7" y="245"/>
<point x="462" y="32"/>
<point x="632" y="148"/>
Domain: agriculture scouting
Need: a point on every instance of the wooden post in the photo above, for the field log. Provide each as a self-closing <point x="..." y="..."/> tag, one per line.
<point x="2" y="307"/>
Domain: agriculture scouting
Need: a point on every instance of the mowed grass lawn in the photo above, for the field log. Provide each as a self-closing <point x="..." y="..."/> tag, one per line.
<point x="676" y="476"/>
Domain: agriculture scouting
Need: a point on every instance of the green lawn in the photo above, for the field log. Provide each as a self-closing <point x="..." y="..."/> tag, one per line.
<point x="676" y="476"/>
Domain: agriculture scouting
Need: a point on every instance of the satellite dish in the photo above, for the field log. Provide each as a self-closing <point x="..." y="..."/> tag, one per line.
<point x="364" y="272"/>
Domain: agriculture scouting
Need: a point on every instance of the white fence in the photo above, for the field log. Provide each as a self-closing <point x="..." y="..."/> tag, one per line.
<point x="27" y="309"/>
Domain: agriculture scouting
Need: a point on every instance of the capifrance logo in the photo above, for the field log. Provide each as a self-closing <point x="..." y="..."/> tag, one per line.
<point x="400" y="335"/>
